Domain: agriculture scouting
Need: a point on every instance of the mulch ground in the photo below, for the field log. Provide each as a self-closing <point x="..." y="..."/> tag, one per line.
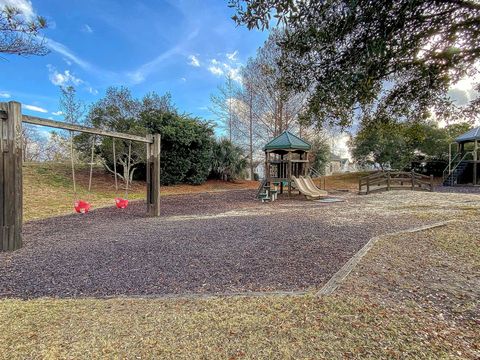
<point x="203" y="243"/>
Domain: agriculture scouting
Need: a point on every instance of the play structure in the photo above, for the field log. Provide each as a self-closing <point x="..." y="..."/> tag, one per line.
<point x="287" y="165"/>
<point x="463" y="167"/>
<point x="394" y="180"/>
<point x="11" y="187"/>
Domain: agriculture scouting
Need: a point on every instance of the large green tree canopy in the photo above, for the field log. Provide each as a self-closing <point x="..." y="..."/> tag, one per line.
<point x="398" y="57"/>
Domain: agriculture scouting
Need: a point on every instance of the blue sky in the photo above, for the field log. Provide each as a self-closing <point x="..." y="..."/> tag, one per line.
<point x="185" y="47"/>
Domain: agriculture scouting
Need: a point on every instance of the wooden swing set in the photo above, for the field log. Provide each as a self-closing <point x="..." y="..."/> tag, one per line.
<point x="11" y="185"/>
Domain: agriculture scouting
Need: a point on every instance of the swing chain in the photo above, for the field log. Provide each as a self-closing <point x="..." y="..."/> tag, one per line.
<point x="128" y="169"/>
<point x="91" y="163"/>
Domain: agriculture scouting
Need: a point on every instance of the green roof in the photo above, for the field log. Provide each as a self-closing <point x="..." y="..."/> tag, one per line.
<point x="287" y="141"/>
<point x="470" y="135"/>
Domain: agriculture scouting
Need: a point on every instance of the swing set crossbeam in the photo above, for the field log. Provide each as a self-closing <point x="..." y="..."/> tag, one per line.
<point x="34" y="120"/>
<point x="11" y="158"/>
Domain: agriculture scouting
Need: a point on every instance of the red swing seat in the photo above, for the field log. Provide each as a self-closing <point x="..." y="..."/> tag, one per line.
<point x="82" y="206"/>
<point x="121" y="203"/>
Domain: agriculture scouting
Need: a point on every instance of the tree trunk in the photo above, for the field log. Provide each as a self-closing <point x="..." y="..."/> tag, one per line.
<point x="251" y="136"/>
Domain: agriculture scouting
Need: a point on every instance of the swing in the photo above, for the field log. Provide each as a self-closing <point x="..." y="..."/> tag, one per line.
<point x="81" y="206"/>
<point x="120" y="202"/>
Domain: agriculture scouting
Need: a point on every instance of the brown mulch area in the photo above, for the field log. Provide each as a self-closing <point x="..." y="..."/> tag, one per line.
<point x="232" y="243"/>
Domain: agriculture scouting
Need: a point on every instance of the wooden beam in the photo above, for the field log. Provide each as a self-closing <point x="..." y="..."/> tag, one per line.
<point x="73" y="127"/>
<point x="475" y="158"/>
<point x="11" y="185"/>
<point x="153" y="176"/>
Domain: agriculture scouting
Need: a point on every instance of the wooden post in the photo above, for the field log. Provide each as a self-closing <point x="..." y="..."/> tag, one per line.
<point x="413" y="180"/>
<point x="307" y="164"/>
<point x="388" y="181"/>
<point x="289" y="170"/>
<point x="153" y="175"/>
<point x="475" y="160"/>
<point x="11" y="186"/>
<point x="368" y="185"/>
<point x="431" y="182"/>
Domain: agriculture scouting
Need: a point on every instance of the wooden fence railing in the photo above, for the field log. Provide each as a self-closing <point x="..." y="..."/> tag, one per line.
<point x="394" y="180"/>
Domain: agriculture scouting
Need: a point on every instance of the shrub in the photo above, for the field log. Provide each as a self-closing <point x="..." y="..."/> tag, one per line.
<point x="228" y="161"/>
<point x="186" y="146"/>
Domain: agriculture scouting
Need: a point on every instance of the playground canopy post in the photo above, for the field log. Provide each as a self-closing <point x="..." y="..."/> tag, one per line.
<point x="11" y="186"/>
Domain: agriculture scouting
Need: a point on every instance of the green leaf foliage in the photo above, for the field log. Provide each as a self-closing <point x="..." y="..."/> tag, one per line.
<point x="401" y="55"/>
<point x="228" y="161"/>
<point x="186" y="146"/>
<point x="394" y="145"/>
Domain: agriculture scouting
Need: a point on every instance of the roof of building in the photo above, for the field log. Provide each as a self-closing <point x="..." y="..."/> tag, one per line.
<point x="287" y="141"/>
<point x="470" y="135"/>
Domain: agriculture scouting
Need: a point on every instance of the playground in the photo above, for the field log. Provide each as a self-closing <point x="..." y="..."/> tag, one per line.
<point x="210" y="243"/>
<point x="225" y="264"/>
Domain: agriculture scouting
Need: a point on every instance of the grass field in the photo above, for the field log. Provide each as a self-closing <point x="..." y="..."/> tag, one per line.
<point x="412" y="296"/>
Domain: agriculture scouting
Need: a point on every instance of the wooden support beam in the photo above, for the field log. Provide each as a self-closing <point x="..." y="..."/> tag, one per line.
<point x="289" y="170"/>
<point x="11" y="185"/>
<point x="153" y="175"/>
<point x="73" y="127"/>
<point x="475" y="159"/>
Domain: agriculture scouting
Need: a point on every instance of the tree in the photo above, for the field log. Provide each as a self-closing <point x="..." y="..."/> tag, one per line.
<point x="382" y="143"/>
<point x="57" y="147"/>
<point x="224" y="106"/>
<point x="278" y="107"/>
<point x="401" y="145"/>
<point x="320" y="154"/>
<point x="71" y="107"/>
<point x="228" y="161"/>
<point x="33" y="144"/>
<point x="20" y="35"/>
<point x="119" y="111"/>
<point x="400" y="55"/>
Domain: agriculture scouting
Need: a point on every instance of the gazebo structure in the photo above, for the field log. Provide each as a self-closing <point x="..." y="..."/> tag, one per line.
<point x="285" y="156"/>
<point x="463" y="168"/>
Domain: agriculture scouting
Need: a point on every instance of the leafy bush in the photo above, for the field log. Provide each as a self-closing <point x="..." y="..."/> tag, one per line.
<point x="186" y="146"/>
<point x="228" y="161"/>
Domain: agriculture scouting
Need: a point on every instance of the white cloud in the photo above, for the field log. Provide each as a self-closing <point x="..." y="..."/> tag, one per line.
<point x="232" y="56"/>
<point x="194" y="61"/>
<point x="87" y="29"/>
<point x="464" y="90"/>
<point x="5" y="95"/>
<point x="57" y="113"/>
<point x="183" y="79"/>
<point x="215" y="70"/>
<point x="233" y="72"/>
<point x="25" y="7"/>
<point x="35" y="108"/>
<point x="229" y="68"/>
<point x="92" y="90"/>
<point x="62" y="79"/>
<point x="67" y="53"/>
<point x="139" y="75"/>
